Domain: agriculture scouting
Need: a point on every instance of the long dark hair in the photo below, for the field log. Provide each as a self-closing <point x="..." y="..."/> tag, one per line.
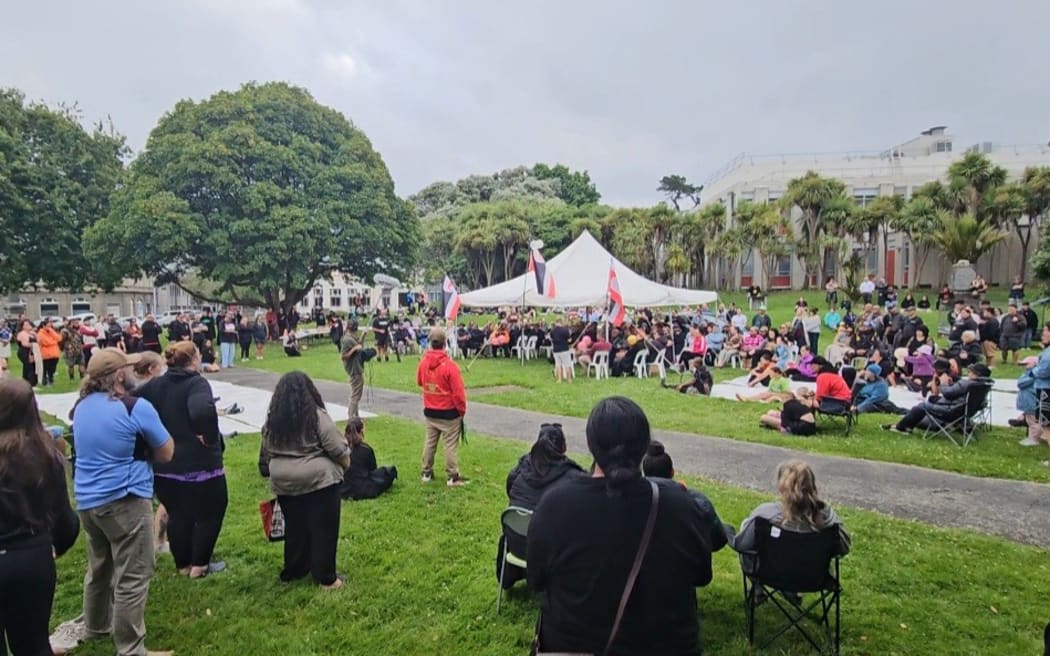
<point x="657" y="462"/>
<point x="29" y="461"/>
<point x="291" y="420"/>
<point x="618" y="437"/>
<point x="548" y="449"/>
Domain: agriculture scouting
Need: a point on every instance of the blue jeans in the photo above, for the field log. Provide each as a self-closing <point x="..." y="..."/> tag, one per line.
<point x="1026" y="339"/>
<point x="226" y="353"/>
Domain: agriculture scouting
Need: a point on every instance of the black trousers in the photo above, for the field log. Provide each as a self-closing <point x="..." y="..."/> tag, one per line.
<point x="246" y="350"/>
<point x="311" y="534"/>
<point x="27" y="588"/>
<point x="50" y="367"/>
<point x="28" y="368"/>
<point x="195" y="514"/>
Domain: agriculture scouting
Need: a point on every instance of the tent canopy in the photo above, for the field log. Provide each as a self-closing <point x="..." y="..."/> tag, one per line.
<point x="581" y="277"/>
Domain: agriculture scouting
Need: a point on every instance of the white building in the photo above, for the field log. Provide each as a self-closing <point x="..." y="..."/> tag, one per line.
<point x="337" y="295"/>
<point x="898" y="171"/>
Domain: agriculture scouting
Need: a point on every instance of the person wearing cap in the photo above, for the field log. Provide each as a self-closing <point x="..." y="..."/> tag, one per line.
<point x="947" y="399"/>
<point x="874" y="393"/>
<point x="1011" y="332"/>
<point x="117" y="438"/>
<point x="350" y="352"/>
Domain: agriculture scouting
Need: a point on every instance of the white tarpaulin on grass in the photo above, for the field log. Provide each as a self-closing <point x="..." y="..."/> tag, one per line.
<point x="581" y="278"/>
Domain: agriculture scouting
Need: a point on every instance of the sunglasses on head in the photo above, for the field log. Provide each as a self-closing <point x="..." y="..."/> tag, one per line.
<point x="546" y="425"/>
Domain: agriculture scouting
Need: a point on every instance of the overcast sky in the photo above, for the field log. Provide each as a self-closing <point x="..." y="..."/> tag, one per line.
<point x="630" y="91"/>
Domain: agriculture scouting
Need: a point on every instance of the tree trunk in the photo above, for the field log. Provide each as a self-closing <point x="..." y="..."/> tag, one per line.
<point x="1026" y="240"/>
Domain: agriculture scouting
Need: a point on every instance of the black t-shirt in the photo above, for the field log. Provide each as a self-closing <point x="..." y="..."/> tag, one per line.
<point x="793" y="411"/>
<point x="209" y="326"/>
<point x="560" y="339"/>
<point x="381" y="324"/>
<point x="150" y="332"/>
<point x="581" y="545"/>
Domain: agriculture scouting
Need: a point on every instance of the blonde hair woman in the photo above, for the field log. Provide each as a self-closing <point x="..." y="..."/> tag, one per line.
<point x="799" y="509"/>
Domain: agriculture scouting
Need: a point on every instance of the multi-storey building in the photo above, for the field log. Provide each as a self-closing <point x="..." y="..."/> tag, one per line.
<point x="899" y="171"/>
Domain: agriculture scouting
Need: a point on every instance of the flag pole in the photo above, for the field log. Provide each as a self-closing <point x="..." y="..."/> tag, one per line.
<point x="608" y="301"/>
<point x="521" y="313"/>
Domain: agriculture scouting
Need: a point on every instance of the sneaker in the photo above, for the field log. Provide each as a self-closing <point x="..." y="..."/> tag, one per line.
<point x="1016" y="423"/>
<point x="1030" y="441"/>
<point x="68" y="635"/>
<point x="456" y="481"/>
<point x="427" y="477"/>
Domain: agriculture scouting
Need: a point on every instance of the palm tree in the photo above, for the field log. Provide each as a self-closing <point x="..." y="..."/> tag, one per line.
<point x="677" y="262"/>
<point x="965" y="238"/>
<point x="731" y="244"/>
<point x="919" y="219"/>
<point x="1035" y="192"/>
<point x="973" y="177"/>
<point x="812" y="195"/>
<point x="768" y="231"/>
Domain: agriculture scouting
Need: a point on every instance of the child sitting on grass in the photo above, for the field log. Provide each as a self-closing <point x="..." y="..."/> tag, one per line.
<point x="701" y="383"/>
<point x="779" y="389"/>
<point x="363" y="480"/>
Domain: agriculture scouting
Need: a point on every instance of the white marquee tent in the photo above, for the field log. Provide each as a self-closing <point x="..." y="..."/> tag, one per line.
<point x="581" y="276"/>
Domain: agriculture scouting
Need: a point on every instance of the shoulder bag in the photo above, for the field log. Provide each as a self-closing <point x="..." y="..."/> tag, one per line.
<point x="628" y="587"/>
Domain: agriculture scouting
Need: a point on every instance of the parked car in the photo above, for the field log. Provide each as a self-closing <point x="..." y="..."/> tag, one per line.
<point x="84" y="317"/>
<point x="167" y="317"/>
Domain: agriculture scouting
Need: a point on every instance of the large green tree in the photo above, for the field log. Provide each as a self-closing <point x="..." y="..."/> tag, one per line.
<point x="56" y="179"/>
<point x="815" y="197"/>
<point x="574" y="187"/>
<point x="260" y="192"/>
<point x="676" y="187"/>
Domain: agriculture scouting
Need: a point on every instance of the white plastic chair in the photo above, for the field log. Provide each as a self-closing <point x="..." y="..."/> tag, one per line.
<point x="599" y="364"/>
<point x="661" y="366"/>
<point x="641" y="367"/>
<point x="520" y="347"/>
<point x="530" y="348"/>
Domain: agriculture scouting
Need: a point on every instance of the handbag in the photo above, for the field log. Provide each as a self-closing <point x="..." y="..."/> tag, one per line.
<point x="643" y="547"/>
<point x="272" y="520"/>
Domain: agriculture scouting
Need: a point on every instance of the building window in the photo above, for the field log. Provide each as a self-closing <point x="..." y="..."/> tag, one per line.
<point x="863" y="196"/>
<point x="944" y="146"/>
<point x="336" y="301"/>
<point x="784" y="266"/>
<point x="80" y="305"/>
<point x="774" y="196"/>
<point x="748" y="196"/>
<point x="305" y="303"/>
<point x="48" y="307"/>
<point x="747" y="265"/>
<point x="901" y="191"/>
<point x="872" y="260"/>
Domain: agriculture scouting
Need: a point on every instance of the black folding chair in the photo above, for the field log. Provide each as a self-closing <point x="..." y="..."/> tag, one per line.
<point x="977" y="413"/>
<point x="515" y="523"/>
<point x="784" y="566"/>
<point x="835" y="410"/>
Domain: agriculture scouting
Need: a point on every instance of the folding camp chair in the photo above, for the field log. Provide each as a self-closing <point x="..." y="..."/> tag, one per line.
<point x="832" y="410"/>
<point x="515" y="523"/>
<point x="786" y="565"/>
<point x="977" y="413"/>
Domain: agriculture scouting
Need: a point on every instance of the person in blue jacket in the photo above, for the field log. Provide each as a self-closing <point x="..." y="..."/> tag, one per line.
<point x="874" y="393"/>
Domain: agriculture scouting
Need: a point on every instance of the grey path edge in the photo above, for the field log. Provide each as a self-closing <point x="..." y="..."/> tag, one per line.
<point x="1015" y="510"/>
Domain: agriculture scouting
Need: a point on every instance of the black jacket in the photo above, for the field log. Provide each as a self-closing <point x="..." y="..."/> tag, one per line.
<point x="186" y="406"/>
<point x="525" y="485"/>
<point x="59" y="532"/>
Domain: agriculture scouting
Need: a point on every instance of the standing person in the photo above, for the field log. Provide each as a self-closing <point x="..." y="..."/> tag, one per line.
<point x="27" y="342"/>
<point x="831" y="292"/>
<point x="444" y="407"/>
<point x="151" y="334"/>
<point x="244" y="338"/>
<point x="811" y="323"/>
<point x="227" y="340"/>
<point x="115" y="439"/>
<point x="1032" y="321"/>
<point x="259" y="334"/>
<point x="560" y="338"/>
<point x="208" y="322"/>
<point x="350" y="352"/>
<point x="5" y="349"/>
<point x="133" y="337"/>
<point x="336" y="330"/>
<point x="584" y="539"/>
<point x="192" y="487"/>
<point x="1012" y="332"/>
<point x="37" y="523"/>
<point x="381" y="330"/>
<point x="1017" y="290"/>
<point x="304" y="456"/>
<point x="89" y="339"/>
<point x="50" y="351"/>
<point x="72" y="348"/>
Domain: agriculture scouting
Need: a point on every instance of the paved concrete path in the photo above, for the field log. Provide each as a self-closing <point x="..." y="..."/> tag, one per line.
<point x="1014" y="510"/>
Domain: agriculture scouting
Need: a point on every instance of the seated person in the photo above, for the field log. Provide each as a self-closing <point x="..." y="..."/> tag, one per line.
<point x="544" y="465"/>
<point x="716" y="339"/>
<point x="872" y="391"/>
<point x="919" y="368"/>
<point x="796" y="417"/>
<point x="363" y="479"/>
<point x="657" y="463"/>
<point x="500" y="341"/>
<point x="803" y="370"/>
<point x="924" y="302"/>
<point x="695" y="346"/>
<point x="208" y="358"/>
<point x="781" y="353"/>
<point x="832" y="395"/>
<point x="832" y="318"/>
<point x="779" y="389"/>
<point x="291" y="344"/>
<point x="861" y="343"/>
<point x="462" y="338"/>
<point x="946" y="402"/>
<point x="838" y="350"/>
<point x="761" y="374"/>
<point x="584" y="349"/>
<point x="623" y="358"/>
<point x="701" y="382"/>
<point x="799" y="509"/>
<point x="732" y="347"/>
<point x="753" y="343"/>
<point x="967" y="351"/>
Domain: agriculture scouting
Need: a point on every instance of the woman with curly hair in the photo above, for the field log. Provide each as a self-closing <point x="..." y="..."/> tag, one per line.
<point x="36" y="521"/>
<point x="304" y="455"/>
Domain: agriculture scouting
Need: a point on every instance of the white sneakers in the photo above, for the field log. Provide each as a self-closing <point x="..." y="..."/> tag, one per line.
<point x="68" y="635"/>
<point x="1030" y="441"/>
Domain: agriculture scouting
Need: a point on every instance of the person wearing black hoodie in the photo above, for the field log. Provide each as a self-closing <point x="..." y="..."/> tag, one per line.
<point x="37" y="523"/>
<point x="192" y="487"/>
<point x="543" y="466"/>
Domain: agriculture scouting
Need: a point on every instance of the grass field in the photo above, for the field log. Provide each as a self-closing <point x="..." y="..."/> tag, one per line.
<point x="420" y="570"/>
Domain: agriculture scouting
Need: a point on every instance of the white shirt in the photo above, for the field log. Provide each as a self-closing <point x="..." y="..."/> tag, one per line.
<point x="867" y="287"/>
<point x="739" y="320"/>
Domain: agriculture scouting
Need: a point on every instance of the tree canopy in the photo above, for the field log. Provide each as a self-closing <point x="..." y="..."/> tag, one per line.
<point x="55" y="182"/>
<point x="261" y="192"/>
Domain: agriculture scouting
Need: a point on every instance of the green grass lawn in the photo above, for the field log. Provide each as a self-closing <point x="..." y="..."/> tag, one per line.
<point x="996" y="454"/>
<point x="421" y="577"/>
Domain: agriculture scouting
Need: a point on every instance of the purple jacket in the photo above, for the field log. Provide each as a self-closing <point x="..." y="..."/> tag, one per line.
<point x="921" y="365"/>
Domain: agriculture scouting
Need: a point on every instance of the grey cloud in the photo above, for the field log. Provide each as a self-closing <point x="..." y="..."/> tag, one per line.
<point x="630" y="91"/>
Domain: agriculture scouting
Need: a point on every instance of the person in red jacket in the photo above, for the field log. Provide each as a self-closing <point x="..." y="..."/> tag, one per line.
<point x="444" y="406"/>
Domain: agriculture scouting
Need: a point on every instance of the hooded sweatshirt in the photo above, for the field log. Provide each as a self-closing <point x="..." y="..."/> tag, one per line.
<point x="443" y="394"/>
<point x="185" y="403"/>
<point x="525" y="485"/>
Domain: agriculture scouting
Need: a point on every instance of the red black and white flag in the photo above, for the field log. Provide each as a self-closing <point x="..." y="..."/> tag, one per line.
<point x="544" y="281"/>
<point x="617" y="311"/>
<point x="451" y="298"/>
